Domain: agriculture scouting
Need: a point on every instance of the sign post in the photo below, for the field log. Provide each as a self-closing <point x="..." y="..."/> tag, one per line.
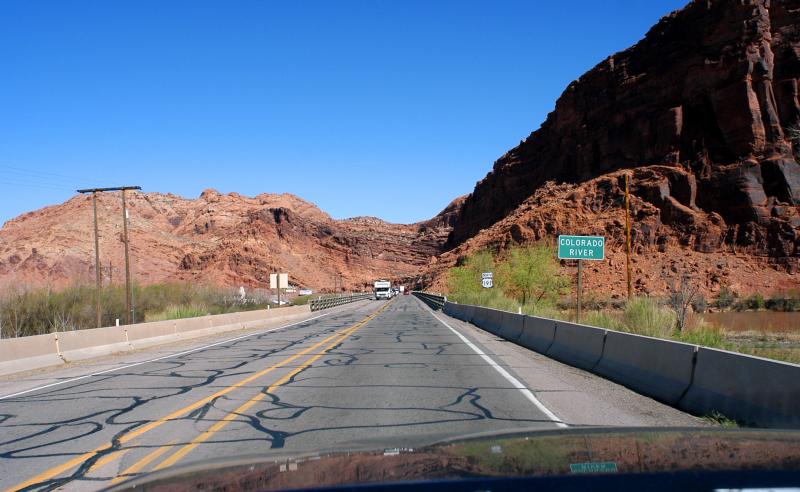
<point x="581" y="248"/>
<point x="487" y="280"/>
<point x="279" y="281"/>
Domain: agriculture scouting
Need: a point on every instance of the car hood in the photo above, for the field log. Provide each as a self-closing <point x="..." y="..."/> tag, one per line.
<point x="519" y="454"/>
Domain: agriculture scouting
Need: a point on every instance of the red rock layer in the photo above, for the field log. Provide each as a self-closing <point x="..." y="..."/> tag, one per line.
<point x="671" y="237"/>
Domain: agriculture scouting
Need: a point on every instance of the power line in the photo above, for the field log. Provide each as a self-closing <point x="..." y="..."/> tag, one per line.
<point x="45" y="186"/>
<point x="43" y="174"/>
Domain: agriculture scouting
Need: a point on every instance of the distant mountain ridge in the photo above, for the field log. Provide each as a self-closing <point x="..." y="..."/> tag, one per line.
<point x="226" y="239"/>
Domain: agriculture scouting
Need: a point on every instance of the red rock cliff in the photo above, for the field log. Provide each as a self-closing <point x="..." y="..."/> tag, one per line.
<point x="711" y="91"/>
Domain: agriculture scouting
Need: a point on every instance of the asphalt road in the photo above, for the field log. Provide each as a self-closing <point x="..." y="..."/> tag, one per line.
<point x="375" y="375"/>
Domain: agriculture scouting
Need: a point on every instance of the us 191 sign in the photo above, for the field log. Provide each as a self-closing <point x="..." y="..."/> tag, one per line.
<point x="487" y="280"/>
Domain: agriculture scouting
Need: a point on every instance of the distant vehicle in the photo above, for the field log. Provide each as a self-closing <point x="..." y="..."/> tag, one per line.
<point x="383" y="289"/>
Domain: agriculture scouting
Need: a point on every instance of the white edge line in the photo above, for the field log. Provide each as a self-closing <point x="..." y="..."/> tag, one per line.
<point x="511" y="379"/>
<point x="58" y="383"/>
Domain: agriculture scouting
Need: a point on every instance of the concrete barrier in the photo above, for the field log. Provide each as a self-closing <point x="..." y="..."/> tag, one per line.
<point x="85" y="344"/>
<point x="469" y="313"/>
<point x="494" y="321"/>
<point x="753" y="390"/>
<point x="480" y="317"/>
<point x="577" y="345"/>
<point x="660" y="369"/>
<point x="511" y="326"/>
<point x="454" y="310"/>
<point x="537" y="334"/>
<point x="27" y="353"/>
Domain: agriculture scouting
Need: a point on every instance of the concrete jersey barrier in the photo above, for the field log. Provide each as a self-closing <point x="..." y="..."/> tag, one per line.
<point x="537" y="333"/>
<point x="577" y="345"/>
<point x="512" y="326"/>
<point x="26" y="353"/>
<point x="750" y="389"/>
<point x="34" y="352"/>
<point x="660" y="369"/>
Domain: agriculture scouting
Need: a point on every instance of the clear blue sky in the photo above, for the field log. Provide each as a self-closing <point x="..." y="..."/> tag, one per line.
<point x="385" y="108"/>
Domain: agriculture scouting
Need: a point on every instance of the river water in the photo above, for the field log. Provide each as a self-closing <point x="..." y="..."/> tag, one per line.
<point x="768" y="321"/>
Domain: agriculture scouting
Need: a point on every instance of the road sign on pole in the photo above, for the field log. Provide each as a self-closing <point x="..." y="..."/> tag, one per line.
<point x="487" y="280"/>
<point x="581" y="248"/>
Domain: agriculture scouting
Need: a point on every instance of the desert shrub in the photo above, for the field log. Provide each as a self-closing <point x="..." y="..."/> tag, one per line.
<point x="699" y="304"/>
<point x="602" y="319"/>
<point x="755" y="302"/>
<point x="704" y="334"/>
<point x="301" y="300"/>
<point x="543" y="310"/>
<point x="725" y="299"/>
<point x="178" y="312"/>
<point x="785" y="302"/>
<point x="37" y="311"/>
<point x="644" y="316"/>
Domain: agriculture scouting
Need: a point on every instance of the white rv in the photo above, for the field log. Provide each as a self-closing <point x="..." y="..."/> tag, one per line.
<point x="383" y="289"/>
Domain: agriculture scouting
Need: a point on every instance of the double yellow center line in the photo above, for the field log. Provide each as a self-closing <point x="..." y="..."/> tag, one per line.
<point x="334" y="340"/>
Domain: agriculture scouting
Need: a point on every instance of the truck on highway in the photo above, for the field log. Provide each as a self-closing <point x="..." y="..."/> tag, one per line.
<point x="383" y="289"/>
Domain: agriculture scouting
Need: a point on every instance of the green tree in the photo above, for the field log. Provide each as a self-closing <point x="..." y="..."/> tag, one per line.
<point x="464" y="281"/>
<point x="531" y="274"/>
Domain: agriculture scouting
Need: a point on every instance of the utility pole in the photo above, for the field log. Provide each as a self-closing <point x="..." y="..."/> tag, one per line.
<point x="580" y="291"/>
<point x="97" y="273"/>
<point x="628" y="233"/>
<point x="128" y="302"/>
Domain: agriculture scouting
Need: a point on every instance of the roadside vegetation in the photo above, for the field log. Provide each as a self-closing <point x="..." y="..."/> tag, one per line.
<point x="529" y="278"/>
<point x="39" y="311"/>
<point x="526" y="277"/>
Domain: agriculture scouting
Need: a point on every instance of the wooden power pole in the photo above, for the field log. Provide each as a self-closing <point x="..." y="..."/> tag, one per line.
<point x="128" y="298"/>
<point x="128" y="301"/>
<point x="97" y="274"/>
<point x="628" y="233"/>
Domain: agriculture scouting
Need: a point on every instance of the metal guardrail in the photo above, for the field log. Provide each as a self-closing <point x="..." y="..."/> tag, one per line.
<point x="330" y="302"/>
<point x="433" y="300"/>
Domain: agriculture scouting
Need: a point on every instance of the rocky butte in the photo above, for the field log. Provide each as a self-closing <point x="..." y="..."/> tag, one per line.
<point x="226" y="239"/>
<point x="701" y="111"/>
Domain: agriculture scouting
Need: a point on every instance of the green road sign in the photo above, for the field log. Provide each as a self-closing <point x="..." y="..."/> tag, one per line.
<point x="598" y="467"/>
<point x="581" y="248"/>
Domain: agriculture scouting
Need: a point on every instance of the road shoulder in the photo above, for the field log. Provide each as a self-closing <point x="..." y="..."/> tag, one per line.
<point x="578" y="397"/>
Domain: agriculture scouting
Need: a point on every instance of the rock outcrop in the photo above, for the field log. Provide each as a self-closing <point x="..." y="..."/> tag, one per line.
<point x="226" y="239"/>
<point x="671" y="237"/>
<point x="710" y="92"/>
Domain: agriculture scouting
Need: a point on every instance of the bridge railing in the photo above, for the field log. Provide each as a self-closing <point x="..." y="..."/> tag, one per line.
<point x="329" y="302"/>
<point x="435" y="301"/>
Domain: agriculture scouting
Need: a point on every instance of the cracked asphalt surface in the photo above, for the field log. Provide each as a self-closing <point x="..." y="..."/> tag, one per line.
<point x="376" y="375"/>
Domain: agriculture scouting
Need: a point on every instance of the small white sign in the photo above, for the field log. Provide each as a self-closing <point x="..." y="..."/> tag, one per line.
<point x="278" y="280"/>
<point x="487" y="283"/>
<point x="487" y="275"/>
